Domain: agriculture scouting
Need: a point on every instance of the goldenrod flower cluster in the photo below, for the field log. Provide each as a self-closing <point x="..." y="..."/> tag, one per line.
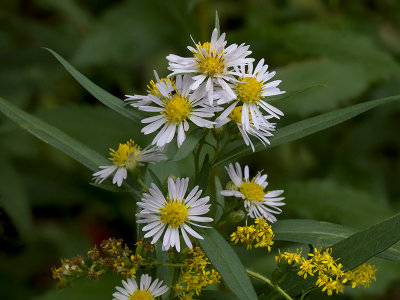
<point x="260" y="233"/>
<point x="362" y="275"/>
<point x="197" y="274"/>
<point x="330" y="275"/>
<point x="113" y="255"/>
<point x="288" y="257"/>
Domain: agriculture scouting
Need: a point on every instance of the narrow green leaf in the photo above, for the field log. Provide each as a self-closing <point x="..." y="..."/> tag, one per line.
<point x="163" y="273"/>
<point x="217" y="22"/>
<point x="306" y="127"/>
<point x="155" y="178"/>
<point x="321" y="234"/>
<point x="53" y="136"/>
<point x="216" y="295"/>
<point x="354" y="250"/>
<point x="363" y="245"/>
<point x="204" y="173"/>
<point x="219" y="199"/>
<point x="228" y="264"/>
<point x="59" y="140"/>
<point x="103" y="96"/>
<point x="188" y="145"/>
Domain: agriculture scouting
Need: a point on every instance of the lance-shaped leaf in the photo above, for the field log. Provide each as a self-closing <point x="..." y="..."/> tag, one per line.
<point x="228" y="264"/>
<point x="354" y="250"/>
<point x="188" y="145"/>
<point x="103" y="96"/>
<point x="306" y="127"/>
<point x="363" y="245"/>
<point x="321" y="234"/>
<point x="58" y="139"/>
<point x="53" y="136"/>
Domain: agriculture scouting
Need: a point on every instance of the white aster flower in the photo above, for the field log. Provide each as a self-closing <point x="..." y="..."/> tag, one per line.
<point x="126" y="158"/>
<point x="175" y="106"/>
<point x="145" y="291"/>
<point x="251" y="89"/>
<point x="257" y="202"/>
<point x="173" y="213"/>
<point x="212" y="64"/>
<point x="262" y="133"/>
<point x="139" y="100"/>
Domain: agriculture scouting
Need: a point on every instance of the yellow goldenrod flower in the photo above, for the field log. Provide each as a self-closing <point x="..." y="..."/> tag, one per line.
<point x="261" y="234"/>
<point x="197" y="274"/>
<point x="289" y="257"/>
<point x="331" y="277"/>
<point x="306" y="268"/>
<point x="362" y="275"/>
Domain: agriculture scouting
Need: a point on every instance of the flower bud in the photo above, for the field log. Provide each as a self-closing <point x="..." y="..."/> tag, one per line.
<point x="231" y="186"/>
<point x="236" y="216"/>
<point x="218" y="133"/>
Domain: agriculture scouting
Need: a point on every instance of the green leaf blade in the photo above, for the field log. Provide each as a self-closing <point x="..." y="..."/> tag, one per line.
<point x="53" y="136"/>
<point x="103" y="96"/>
<point x="217" y="23"/>
<point x="307" y="127"/>
<point x="363" y="245"/>
<point x="188" y="145"/>
<point x="227" y="263"/>
<point x="354" y="250"/>
<point x="321" y="234"/>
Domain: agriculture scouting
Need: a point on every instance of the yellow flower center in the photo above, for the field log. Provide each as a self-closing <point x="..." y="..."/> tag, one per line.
<point x="126" y="155"/>
<point x="141" y="295"/>
<point x="249" y="90"/>
<point x="211" y="64"/>
<point x="236" y="114"/>
<point x="252" y="191"/>
<point x="177" y="109"/>
<point x="152" y="88"/>
<point x="174" y="213"/>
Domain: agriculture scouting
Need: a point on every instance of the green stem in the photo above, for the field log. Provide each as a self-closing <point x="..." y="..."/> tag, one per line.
<point x="219" y="151"/>
<point x="274" y="286"/>
<point x="142" y="184"/>
<point x="197" y="156"/>
<point x="160" y="263"/>
<point x="303" y="296"/>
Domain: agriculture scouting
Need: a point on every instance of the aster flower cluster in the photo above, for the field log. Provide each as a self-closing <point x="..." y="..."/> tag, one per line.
<point x="329" y="273"/>
<point x="218" y="87"/>
<point x="216" y="80"/>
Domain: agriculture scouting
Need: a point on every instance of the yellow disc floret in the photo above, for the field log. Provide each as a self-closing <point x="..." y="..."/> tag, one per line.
<point x="210" y="63"/>
<point x="174" y="213"/>
<point x="177" y="109"/>
<point x="152" y="87"/>
<point x="126" y="156"/>
<point x="141" y="295"/>
<point x="249" y="90"/>
<point x="236" y="114"/>
<point x="252" y="191"/>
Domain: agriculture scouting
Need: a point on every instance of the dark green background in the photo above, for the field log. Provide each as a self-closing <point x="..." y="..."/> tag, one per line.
<point x="329" y="54"/>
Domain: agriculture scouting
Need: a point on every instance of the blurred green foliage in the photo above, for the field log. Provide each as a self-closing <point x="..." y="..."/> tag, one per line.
<point x="329" y="54"/>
